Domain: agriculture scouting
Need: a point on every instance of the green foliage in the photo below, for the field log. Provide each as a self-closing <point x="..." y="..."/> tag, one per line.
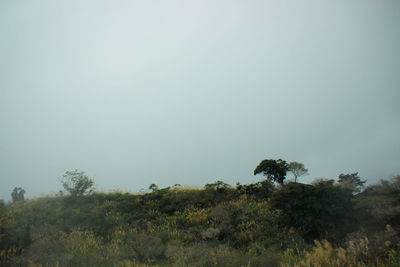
<point x="378" y="206"/>
<point x="260" y="190"/>
<point x="153" y="187"/>
<point x="250" y="225"/>
<point x="274" y="170"/>
<point x="219" y="192"/>
<point x="218" y="185"/>
<point x="322" y="210"/>
<point x="77" y="183"/>
<point x="18" y="194"/>
<point x="15" y="233"/>
<point x="351" y="181"/>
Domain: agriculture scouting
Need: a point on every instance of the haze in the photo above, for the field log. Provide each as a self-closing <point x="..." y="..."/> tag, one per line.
<point x="190" y="92"/>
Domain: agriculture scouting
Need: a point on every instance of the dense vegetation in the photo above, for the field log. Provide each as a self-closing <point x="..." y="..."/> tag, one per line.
<point x="261" y="224"/>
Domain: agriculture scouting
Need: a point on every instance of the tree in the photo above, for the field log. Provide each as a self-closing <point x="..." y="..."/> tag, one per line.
<point x="273" y="169"/>
<point x="17" y="194"/>
<point x="351" y="181"/>
<point x="297" y="169"/>
<point x="153" y="187"/>
<point x="77" y="183"/>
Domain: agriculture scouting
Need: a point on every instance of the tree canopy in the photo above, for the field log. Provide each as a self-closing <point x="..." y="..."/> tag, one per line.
<point x="273" y="169"/>
<point x="77" y="183"/>
<point x="351" y="181"/>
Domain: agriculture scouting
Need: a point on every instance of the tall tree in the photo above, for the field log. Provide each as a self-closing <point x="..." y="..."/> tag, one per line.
<point x="272" y="169"/>
<point x="297" y="169"/>
<point x="351" y="181"/>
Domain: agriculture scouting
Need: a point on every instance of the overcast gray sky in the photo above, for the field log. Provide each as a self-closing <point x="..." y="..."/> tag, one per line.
<point x="190" y="92"/>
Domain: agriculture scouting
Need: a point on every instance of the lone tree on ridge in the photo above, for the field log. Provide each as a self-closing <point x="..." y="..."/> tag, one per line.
<point x="274" y="170"/>
<point x="77" y="183"/>
<point x="297" y="169"/>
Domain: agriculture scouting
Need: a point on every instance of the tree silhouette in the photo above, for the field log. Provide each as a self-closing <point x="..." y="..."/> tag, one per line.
<point x="351" y="181"/>
<point x="274" y="170"/>
<point x="18" y="194"/>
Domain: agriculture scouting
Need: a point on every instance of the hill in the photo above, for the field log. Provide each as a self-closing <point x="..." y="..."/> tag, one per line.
<point x="261" y="224"/>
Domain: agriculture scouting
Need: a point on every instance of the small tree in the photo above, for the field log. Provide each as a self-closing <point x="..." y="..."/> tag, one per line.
<point x="297" y="169"/>
<point x="153" y="187"/>
<point x="77" y="183"/>
<point x="17" y="194"/>
<point x="351" y="181"/>
<point x="273" y="169"/>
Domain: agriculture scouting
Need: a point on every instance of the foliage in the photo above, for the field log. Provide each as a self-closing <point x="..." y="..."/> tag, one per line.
<point x="377" y="206"/>
<point x="18" y="194"/>
<point x="218" y="185"/>
<point x="385" y="187"/>
<point x="259" y="190"/>
<point x="351" y="181"/>
<point x="274" y="170"/>
<point x="297" y="169"/>
<point x="153" y="187"/>
<point x="357" y="254"/>
<point x="316" y="211"/>
<point x="14" y="232"/>
<point x="247" y="225"/>
<point x="77" y="183"/>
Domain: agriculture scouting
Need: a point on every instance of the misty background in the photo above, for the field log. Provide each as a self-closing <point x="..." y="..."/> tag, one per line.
<point x="190" y="92"/>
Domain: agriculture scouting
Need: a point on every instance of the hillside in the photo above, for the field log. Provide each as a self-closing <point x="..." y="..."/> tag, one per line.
<point x="261" y="224"/>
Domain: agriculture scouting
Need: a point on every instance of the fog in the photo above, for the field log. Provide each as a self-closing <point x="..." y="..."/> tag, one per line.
<point x="190" y="92"/>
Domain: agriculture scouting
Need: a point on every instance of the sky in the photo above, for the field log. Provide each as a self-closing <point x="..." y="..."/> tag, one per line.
<point x="191" y="92"/>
